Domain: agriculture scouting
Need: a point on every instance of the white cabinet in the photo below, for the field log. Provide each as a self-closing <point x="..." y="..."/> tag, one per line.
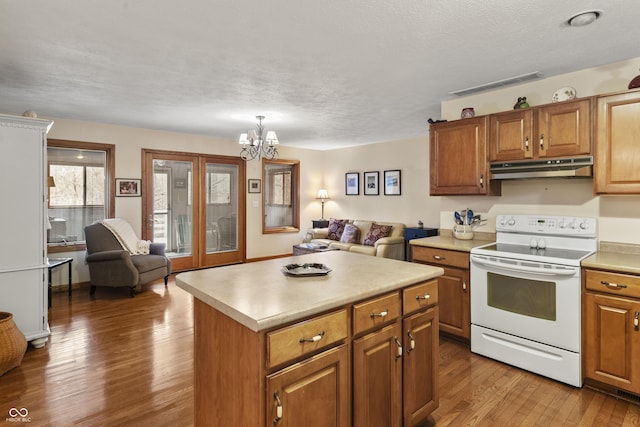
<point x="23" y="255"/>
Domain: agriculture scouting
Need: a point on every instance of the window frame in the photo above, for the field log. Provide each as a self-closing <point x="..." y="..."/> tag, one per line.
<point x="109" y="208"/>
<point x="294" y="165"/>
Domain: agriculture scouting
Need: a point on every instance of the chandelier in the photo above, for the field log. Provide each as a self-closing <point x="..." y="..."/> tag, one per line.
<point x="255" y="146"/>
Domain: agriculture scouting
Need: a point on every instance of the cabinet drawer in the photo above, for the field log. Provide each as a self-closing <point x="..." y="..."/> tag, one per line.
<point x="419" y="296"/>
<point x="306" y="337"/>
<point x="613" y="283"/>
<point x="441" y="257"/>
<point x="375" y="312"/>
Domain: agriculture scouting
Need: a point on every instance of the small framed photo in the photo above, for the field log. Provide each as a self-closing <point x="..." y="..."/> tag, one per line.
<point x="351" y="183"/>
<point x="126" y="187"/>
<point x="371" y="186"/>
<point x="255" y="186"/>
<point x="392" y="183"/>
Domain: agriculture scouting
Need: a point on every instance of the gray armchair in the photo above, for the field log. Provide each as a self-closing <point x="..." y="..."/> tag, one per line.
<point x="112" y="265"/>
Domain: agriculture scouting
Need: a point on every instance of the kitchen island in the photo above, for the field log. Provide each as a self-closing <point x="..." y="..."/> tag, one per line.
<point x="272" y="349"/>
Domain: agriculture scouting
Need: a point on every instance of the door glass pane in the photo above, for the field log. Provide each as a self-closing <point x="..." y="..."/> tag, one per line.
<point x="172" y="207"/>
<point x="221" y="196"/>
<point x="534" y="298"/>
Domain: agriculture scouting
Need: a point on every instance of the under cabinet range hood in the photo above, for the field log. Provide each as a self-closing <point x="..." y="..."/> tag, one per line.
<point x="546" y="168"/>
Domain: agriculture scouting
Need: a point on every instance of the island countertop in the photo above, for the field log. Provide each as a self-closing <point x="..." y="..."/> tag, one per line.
<point x="260" y="296"/>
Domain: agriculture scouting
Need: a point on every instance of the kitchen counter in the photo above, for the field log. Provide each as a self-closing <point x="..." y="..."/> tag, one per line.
<point x="445" y="241"/>
<point x="259" y="296"/>
<point x="613" y="261"/>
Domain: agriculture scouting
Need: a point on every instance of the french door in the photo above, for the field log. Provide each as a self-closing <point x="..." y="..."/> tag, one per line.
<point x="195" y="204"/>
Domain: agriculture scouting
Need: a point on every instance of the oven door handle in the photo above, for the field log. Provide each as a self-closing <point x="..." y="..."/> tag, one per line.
<point x="566" y="271"/>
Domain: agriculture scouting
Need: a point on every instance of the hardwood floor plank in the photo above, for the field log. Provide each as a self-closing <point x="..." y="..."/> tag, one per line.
<point x="113" y="360"/>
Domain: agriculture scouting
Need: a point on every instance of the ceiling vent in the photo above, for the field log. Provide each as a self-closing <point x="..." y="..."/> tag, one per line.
<point x="498" y="83"/>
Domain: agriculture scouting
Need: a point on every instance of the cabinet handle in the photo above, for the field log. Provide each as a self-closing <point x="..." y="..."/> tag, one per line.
<point x="412" y="342"/>
<point x="613" y="285"/>
<point x="482" y="181"/>
<point x="526" y="143"/>
<point x="399" y="348"/>
<point x="312" y="339"/>
<point x="464" y="286"/>
<point x="424" y="297"/>
<point x="635" y="321"/>
<point x="278" y="417"/>
<point x="542" y="142"/>
<point x="439" y="258"/>
<point x="381" y="314"/>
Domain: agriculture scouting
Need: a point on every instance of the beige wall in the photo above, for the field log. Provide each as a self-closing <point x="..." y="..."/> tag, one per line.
<point x="410" y="156"/>
<point x="618" y="216"/>
<point x="130" y="141"/>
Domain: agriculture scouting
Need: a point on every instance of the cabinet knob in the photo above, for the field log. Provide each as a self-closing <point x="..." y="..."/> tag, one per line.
<point x="635" y="321"/>
<point x="424" y="297"/>
<point x="526" y="143"/>
<point x="542" y="142"/>
<point x="412" y="342"/>
<point x="384" y="313"/>
<point x="613" y="285"/>
<point x="276" y="397"/>
<point x="399" y="347"/>
<point x="315" y="338"/>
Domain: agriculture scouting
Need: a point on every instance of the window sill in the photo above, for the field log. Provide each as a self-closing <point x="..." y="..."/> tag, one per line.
<point x="53" y="248"/>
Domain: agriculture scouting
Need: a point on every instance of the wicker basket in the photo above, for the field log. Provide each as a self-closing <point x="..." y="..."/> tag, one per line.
<point x="12" y="343"/>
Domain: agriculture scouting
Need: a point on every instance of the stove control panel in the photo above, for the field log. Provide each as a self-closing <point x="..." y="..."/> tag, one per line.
<point x="553" y="225"/>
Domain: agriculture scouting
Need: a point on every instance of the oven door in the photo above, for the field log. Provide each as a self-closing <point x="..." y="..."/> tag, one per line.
<point x="531" y="300"/>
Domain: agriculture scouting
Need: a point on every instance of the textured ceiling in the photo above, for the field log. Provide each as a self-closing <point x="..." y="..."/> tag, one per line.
<point x="326" y="74"/>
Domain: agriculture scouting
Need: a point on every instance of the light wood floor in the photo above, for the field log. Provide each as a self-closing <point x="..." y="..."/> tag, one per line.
<point x="120" y="361"/>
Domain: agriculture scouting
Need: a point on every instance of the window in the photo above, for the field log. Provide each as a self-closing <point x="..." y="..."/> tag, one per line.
<point x="281" y="196"/>
<point x="80" y="192"/>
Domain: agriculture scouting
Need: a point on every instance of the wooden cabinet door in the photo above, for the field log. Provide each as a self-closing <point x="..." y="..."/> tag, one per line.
<point x="458" y="163"/>
<point x="313" y="393"/>
<point x="618" y="144"/>
<point x="612" y="341"/>
<point x="377" y="379"/>
<point x="511" y="135"/>
<point x="420" y="374"/>
<point x="455" y="302"/>
<point x="563" y="129"/>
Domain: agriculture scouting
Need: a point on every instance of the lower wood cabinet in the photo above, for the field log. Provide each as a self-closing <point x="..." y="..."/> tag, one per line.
<point x="454" y="290"/>
<point x="611" y="330"/>
<point x="371" y="363"/>
<point x="318" y="386"/>
<point x="420" y="374"/>
<point x="377" y="378"/>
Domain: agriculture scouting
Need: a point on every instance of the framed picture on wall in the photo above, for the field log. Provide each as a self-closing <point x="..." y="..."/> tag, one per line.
<point x="351" y="183"/>
<point x="371" y="186"/>
<point x="255" y="186"/>
<point x="126" y="187"/>
<point x="392" y="183"/>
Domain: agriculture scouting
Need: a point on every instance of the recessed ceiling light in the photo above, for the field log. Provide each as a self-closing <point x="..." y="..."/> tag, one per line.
<point x="584" y="18"/>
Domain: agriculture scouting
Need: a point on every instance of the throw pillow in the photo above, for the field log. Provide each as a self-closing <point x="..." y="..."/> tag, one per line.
<point x="376" y="232"/>
<point x="350" y="234"/>
<point x="336" y="227"/>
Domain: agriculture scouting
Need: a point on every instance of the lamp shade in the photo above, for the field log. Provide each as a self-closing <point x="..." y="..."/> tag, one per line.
<point x="322" y="194"/>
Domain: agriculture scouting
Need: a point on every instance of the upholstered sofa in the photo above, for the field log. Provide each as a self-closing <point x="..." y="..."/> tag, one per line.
<point x="383" y="239"/>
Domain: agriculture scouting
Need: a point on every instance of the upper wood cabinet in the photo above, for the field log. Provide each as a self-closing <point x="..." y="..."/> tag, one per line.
<point x="560" y="129"/>
<point x="458" y="158"/>
<point x="618" y="144"/>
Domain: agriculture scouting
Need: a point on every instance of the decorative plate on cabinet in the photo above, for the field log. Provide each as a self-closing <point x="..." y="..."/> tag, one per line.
<point x="564" y="94"/>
